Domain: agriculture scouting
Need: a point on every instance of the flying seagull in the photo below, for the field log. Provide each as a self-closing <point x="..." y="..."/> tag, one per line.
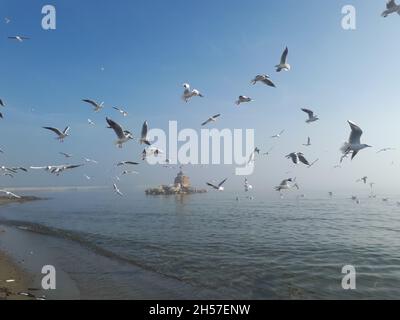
<point x="96" y="107"/>
<point x="7" y="20"/>
<point x="123" y="112"/>
<point x="67" y="155"/>
<point x="90" y="160"/>
<point x="243" y="99"/>
<point x="9" y="193"/>
<point x="308" y="142"/>
<point x="2" y="103"/>
<point x="129" y="172"/>
<point x="211" y="119"/>
<point x="123" y="135"/>
<point x="264" y="79"/>
<point x="311" y="116"/>
<point x="143" y="137"/>
<point x="188" y="94"/>
<point x="287" y="184"/>
<point x="354" y="144"/>
<point x="391" y="7"/>
<point x="117" y="190"/>
<point x="218" y="187"/>
<point x="57" y="169"/>
<point x="278" y="135"/>
<point x="121" y="163"/>
<point x="296" y="157"/>
<point x="247" y="186"/>
<point x="61" y="134"/>
<point x="364" y="179"/>
<point x="283" y="65"/>
<point x="90" y="122"/>
<point x="385" y="149"/>
<point x="19" y="38"/>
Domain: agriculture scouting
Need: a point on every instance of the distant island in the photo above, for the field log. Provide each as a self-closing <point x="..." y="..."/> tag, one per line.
<point x="181" y="186"/>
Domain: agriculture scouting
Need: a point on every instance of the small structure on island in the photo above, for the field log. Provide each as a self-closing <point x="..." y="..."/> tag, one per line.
<point x="181" y="186"/>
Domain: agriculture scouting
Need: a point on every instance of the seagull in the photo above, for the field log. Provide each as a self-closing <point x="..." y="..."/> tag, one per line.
<point x="97" y="107"/>
<point x="90" y="160"/>
<point x="211" y="119"/>
<point x="268" y="152"/>
<point x="19" y="38"/>
<point x="9" y="193"/>
<point x="296" y="157"/>
<point x="311" y="116"/>
<point x="391" y="7"/>
<point x="67" y="155"/>
<point x="117" y="190"/>
<point x="264" y="79"/>
<point x="278" y="135"/>
<point x="145" y="130"/>
<point x="1" y="115"/>
<point x="252" y="157"/>
<point x="330" y="193"/>
<point x="2" y="103"/>
<point x="86" y="176"/>
<point x="188" y="94"/>
<point x="243" y="99"/>
<point x="90" y="122"/>
<point x="121" y="163"/>
<point x="7" y="20"/>
<point x="283" y="65"/>
<point x="385" y="149"/>
<point x="354" y="144"/>
<point x="124" y="113"/>
<point x="364" y="179"/>
<point x="385" y="199"/>
<point x="129" y="172"/>
<point x="287" y="184"/>
<point x="57" y="169"/>
<point x="308" y="142"/>
<point x="218" y="187"/>
<point x="151" y="151"/>
<point x="61" y="134"/>
<point x="123" y="135"/>
<point x="247" y="186"/>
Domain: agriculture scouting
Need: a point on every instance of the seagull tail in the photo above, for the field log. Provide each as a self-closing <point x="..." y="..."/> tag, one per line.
<point x="345" y="147"/>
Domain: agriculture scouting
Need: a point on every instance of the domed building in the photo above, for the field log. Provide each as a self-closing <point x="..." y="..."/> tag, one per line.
<point x="182" y="181"/>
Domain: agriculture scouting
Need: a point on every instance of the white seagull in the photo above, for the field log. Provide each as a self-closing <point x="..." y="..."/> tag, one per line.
<point x="122" y="163"/>
<point x="264" y="79"/>
<point x="354" y="144"/>
<point x="296" y="157"/>
<point x="123" y="112"/>
<point x="117" y="190"/>
<point x="364" y="179"/>
<point x="123" y="135"/>
<point x="96" y="106"/>
<point x="391" y="7"/>
<point x="287" y="184"/>
<point x="9" y="193"/>
<point x="188" y="94"/>
<point x="247" y="186"/>
<point x="211" y="119"/>
<point x="61" y="134"/>
<point x="19" y="38"/>
<point x="218" y="187"/>
<point x="143" y="137"/>
<point x="90" y="122"/>
<point x="57" y="169"/>
<point x="7" y="20"/>
<point x="311" y="116"/>
<point x="129" y="172"/>
<point x="89" y="160"/>
<point x="278" y="135"/>
<point x="283" y="65"/>
<point x="67" y="155"/>
<point x="243" y="99"/>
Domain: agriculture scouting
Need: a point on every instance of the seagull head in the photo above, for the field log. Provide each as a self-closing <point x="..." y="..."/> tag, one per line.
<point x="186" y="86"/>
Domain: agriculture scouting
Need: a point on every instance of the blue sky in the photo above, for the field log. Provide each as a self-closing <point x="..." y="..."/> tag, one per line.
<point x="149" y="48"/>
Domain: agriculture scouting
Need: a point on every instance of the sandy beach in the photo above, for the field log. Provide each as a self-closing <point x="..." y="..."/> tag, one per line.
<point x="13" y="279"/>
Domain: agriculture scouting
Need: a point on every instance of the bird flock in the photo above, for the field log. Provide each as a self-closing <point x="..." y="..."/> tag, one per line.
<point x="352" y="146"/>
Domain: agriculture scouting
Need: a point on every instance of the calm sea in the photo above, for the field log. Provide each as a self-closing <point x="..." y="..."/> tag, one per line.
<point x="265" y="248"/>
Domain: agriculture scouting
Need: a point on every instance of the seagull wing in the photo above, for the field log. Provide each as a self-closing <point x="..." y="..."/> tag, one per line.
<point x="268" y="82"/>
<point x="93" y="103"/>
<point x="355" y="134"/>
<point x="212" y="185"/>
<point x="55" y="130"/>
<point x="1" y="103"/>
<point x="308" y="111"/>
<point x="66" y="130"/>
<point x="119" y="131"/>
<point x="390" y="4"/>
<point x="145" y="129"/>
<point x="303" y="159"/>
<point x="222" y="182"/>
<point x="284" y="55"/>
